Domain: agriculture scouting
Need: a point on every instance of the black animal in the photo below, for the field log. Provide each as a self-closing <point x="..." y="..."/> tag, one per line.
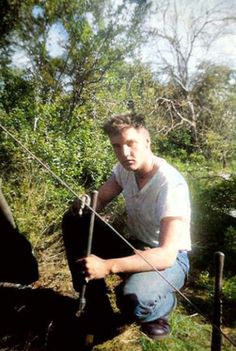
<point x="17" y="262"/>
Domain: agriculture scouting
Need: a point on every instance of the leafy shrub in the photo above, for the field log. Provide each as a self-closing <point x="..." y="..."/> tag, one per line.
<point x="213" y="226"/>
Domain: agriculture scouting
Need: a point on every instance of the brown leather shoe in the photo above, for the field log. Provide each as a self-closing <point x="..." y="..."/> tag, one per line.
<point x="157" y="329"/>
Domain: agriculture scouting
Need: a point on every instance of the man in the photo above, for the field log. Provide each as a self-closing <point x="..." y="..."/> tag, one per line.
<point x="158" y="218"/>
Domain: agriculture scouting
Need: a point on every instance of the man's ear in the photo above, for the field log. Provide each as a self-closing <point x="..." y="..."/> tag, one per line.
<point x="148" y="140"/>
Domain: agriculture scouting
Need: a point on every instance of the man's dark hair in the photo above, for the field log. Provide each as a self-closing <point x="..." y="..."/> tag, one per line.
<point x="117" y="123"/>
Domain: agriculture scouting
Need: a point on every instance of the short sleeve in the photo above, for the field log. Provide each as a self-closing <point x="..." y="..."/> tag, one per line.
<point x="173" y="201"/>
<point x="117" y="172"/>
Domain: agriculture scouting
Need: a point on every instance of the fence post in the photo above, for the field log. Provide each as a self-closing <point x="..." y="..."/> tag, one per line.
<point x="216" y="339"/>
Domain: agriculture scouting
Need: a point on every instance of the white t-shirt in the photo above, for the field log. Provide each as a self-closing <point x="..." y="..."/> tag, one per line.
<point x="166" y="194"/>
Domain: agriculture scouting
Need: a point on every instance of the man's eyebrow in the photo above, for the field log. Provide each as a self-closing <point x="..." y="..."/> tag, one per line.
<point x="126" y="142"/>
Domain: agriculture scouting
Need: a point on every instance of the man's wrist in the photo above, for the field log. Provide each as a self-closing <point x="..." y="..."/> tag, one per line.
<point x="112" y="267"/>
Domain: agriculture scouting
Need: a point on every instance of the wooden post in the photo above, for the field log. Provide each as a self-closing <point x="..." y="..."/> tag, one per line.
<point x="216" y="340"/>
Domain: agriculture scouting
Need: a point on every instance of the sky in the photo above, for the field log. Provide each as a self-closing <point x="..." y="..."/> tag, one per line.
<point x="177" y="19"/>
<point x="222" y="51"/>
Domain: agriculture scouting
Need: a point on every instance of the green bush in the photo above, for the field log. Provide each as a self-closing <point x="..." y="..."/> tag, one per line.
<point x="213" y="226"/>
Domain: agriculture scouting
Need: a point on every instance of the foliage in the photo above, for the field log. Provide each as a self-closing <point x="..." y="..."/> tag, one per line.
<point x="77" y="157"/>
<point x="206" y="283"/>
<point x="9" y="17"/>
<point x="92" y="41"/>
<point x="213" y="224"/>
<point x="16" y="92"/>
<point x="214" y="91"/>
<point x="229" y="288"/>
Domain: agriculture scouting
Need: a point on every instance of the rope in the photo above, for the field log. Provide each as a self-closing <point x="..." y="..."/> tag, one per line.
<point x="137" y="252"/>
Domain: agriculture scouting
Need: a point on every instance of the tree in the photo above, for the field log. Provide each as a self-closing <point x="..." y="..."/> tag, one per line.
<point x="16" y="92"/>
<point x="94" y="36"/>
<point x="214" y="95"/>
<point x="9" y="18"/>
<point x="181" y="39"/>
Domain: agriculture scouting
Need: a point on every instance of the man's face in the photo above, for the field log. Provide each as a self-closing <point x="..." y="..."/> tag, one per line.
<point x="131" y="147"/>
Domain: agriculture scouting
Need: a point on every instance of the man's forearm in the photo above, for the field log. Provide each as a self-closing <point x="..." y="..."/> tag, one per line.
<point x="142" y="262"/>
<point x="101" y="204"/>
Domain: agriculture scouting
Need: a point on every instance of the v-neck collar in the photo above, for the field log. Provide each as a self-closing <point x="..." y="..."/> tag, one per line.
<point x="147" y="184"/>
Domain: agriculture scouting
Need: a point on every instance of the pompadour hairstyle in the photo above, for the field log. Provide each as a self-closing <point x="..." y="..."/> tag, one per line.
<point x="117" y="123"/>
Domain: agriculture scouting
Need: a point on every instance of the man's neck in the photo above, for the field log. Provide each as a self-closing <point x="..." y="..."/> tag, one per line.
<point x="148" y="169"/>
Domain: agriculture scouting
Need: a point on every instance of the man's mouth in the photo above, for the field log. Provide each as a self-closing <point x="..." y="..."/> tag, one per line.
<point x="128" y="162"/>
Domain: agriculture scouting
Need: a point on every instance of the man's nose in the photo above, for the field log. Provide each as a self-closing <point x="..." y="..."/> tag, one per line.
<point x="126" y="150"/>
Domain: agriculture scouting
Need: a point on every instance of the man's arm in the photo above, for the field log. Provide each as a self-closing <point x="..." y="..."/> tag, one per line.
<point x="161" y="257"/>
<point x="107" y="192"/>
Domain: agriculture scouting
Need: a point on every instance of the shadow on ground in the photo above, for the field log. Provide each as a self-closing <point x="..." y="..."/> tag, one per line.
<point x="41" y="319"/>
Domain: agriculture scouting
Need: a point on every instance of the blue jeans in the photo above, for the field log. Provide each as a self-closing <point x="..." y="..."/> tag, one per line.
<point x="148" y="296"/>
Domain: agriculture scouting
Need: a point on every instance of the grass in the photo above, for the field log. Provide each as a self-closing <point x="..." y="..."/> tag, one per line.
<point x="189" y="333"/>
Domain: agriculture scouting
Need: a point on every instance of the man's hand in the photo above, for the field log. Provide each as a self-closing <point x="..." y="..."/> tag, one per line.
<point x="93" y="267"/>
<point x="79" y="205"/>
